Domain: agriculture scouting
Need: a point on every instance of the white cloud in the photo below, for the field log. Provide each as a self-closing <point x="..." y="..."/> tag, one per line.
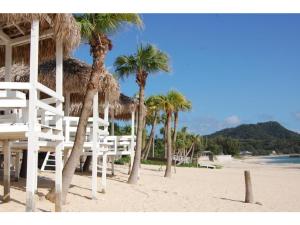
<point x="232" y="121"/>
<point x="206" y="125"/>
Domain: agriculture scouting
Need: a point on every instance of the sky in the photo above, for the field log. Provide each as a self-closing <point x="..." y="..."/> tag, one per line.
<point x="235" y="68"/>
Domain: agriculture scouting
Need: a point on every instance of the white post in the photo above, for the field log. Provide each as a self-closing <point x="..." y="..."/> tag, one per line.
<point x="112" y="122"/>
<point x="112" y="158"/>
<point x="6" y="172"/>
<point x="106" y="111"/>
<point x="17" y="166"/>
<point x="95" y="146"/>
<point x="132" y="123"/>
<point x="67" y="104"/>
<point x="8" y="59"/>
<point x="33" y="147"/>
<point x="59" y="125"/>
<point x="104" y="167"/>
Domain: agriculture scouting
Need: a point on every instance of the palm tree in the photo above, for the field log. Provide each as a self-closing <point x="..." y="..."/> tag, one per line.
<point x="152" y="118"/>
<point x="148" y="59"/>
<point x="167" y="105"/>
<point x="95" y="29"/>
<point x="181" y="104"/>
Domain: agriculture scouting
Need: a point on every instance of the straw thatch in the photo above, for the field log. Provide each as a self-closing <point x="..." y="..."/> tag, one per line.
<point x="76" y="76"/>
<point x="16" y="25"/>
<point x="121" y="109"/>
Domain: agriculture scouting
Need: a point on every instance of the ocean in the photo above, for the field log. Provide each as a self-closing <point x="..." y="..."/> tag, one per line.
<point x="281" y="159"/>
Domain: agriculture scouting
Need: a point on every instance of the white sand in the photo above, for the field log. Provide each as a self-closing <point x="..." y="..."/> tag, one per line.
<point x="190" y="189"/>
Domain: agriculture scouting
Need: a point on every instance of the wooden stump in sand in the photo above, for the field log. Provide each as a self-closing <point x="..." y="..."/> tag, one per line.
<point x="249" y="193"/>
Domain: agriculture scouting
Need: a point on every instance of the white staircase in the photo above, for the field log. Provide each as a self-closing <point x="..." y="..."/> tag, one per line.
<point x="49" y="162"/>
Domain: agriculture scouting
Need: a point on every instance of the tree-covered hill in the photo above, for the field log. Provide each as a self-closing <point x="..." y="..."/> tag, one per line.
<point x="267" y="130"/>
<point x="263" y="138"/>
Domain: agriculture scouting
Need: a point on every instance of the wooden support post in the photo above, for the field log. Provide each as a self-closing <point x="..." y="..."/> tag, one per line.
<point x="59" y="125"/>
<point x="6" y="172"/>
<point x="33" y="144"/>
<point x="17" y="166"/>
<point x="104" y="166"/>
<point x="95" y="146"/>
<point x="249" y="194"/>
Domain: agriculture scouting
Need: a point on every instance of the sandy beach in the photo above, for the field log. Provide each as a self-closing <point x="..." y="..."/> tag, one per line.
<point x="276" y="188"/>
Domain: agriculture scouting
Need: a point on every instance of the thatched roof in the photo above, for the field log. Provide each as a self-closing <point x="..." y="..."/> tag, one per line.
<point x="18" y="25"/>
<point x="76" y="76"/>
<point x="122" y="108"/>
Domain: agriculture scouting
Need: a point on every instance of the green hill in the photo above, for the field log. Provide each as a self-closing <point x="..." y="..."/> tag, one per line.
<point x="263" y="138"/>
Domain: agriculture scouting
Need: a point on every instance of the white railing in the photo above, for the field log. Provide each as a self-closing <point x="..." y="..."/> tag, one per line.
<point x="115" y="145"/>
<point x="13" y="101"/>
<point x="120" y="145"/>
<point x="70" y="128"/>
<point x="15" y="85"/>
<point x="49" y="92"/>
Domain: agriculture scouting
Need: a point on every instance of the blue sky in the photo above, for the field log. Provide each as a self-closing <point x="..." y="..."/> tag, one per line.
<point x="235" y="68"/>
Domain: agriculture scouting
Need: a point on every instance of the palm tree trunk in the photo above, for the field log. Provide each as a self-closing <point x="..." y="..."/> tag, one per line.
<point x="133" y="178"/>
<point x="175" y="137"/>
<point x="98" y="51"/>
<point x="175" y="130"/>
<point x="165" y="140"/>
<point x="148" y="145"/>
<point x="169" y="147"/>
<point x="193" y="154"/>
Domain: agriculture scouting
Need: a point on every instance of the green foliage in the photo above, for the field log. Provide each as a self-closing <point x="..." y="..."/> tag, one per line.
<point x="123" y="160"/>
<point x="105" y="23"/>
<point x="186" y="139"/>
<point x="153" y="162"/>
<point x="147" y="59"/>
<point x="223" y="145"/>
<point x="122" y="130"/>
<point x="262" y="138"/>
<point x="188" y="165"/>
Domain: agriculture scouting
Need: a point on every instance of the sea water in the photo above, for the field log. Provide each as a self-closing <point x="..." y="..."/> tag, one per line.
<point x="282" y="159"/>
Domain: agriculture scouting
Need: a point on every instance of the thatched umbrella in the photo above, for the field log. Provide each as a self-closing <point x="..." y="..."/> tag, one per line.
<point x="53" y="26"/>
<point x="76" y="76"/>
<point x="120" y="109"/>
